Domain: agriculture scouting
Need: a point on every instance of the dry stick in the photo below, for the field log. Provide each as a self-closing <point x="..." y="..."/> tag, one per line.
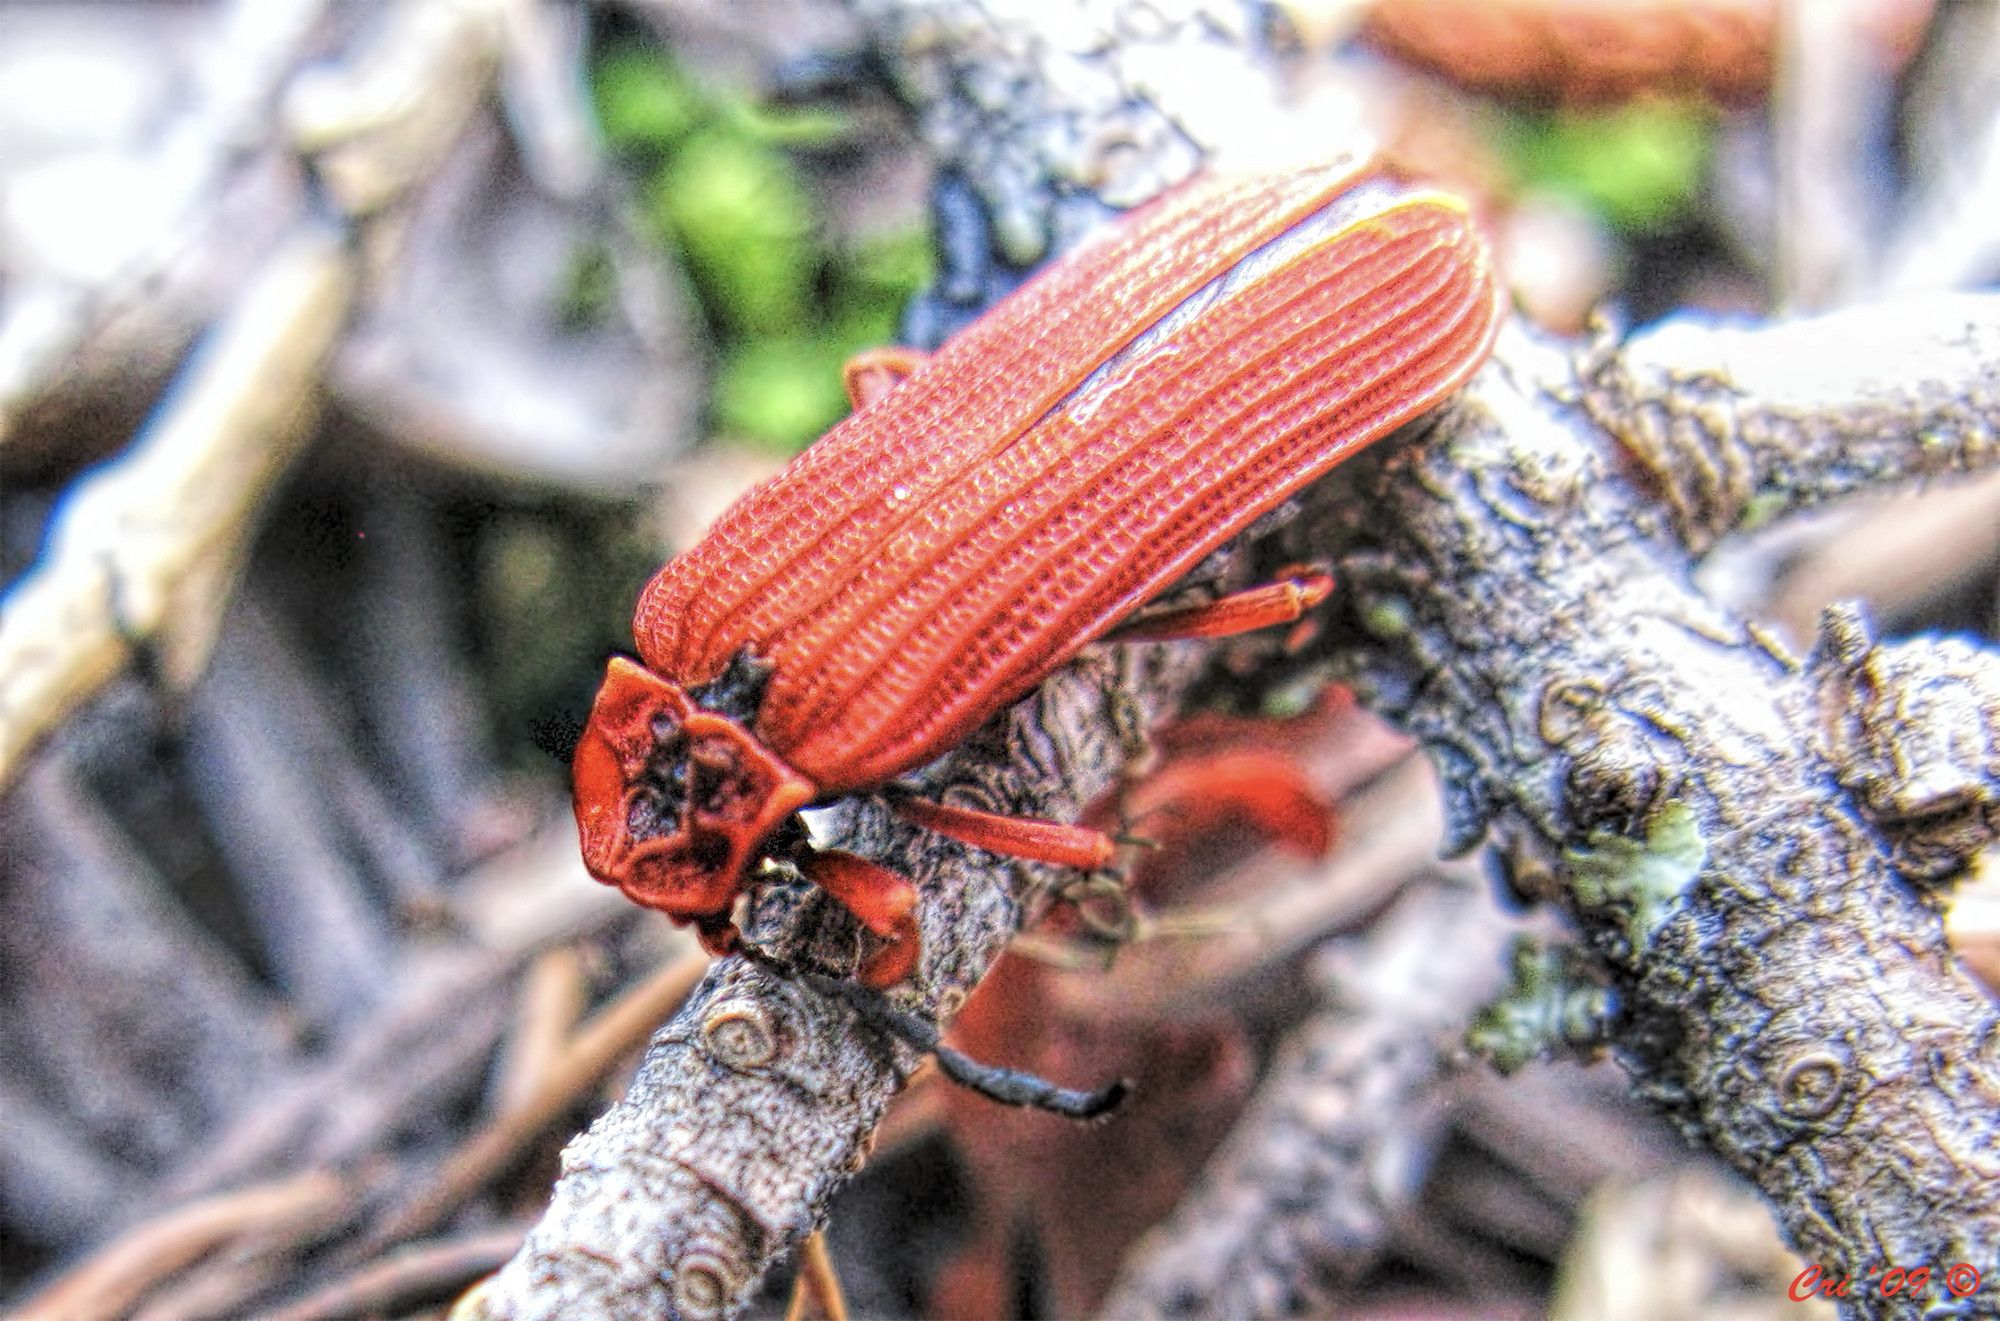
<point x="236" y="1284"/>
<point x="422" y="1051"/>
<point x="144" y="545"/>
<point x="817" y="1283"/>
<point x="1899" y="553"/>
<point x="256" y="745"/>
<point x="145" y="1030"/>
<point x="612" y="1033"/>
<point x="119" y="1274"/>
<point x="1831" y="121"/>
<point x="417" y="1272"/>
<point x="1295" y="1203"/>
<point x="1744" y="838"/>
<point x="430" y="1045"/>
<point x="57" y="1185"/>
<point x="134" y="310"/>
<point x="551" y="1000"/>
<point x="420" y="701"/>
<point x="394" y="850"/>
<point x="1944" y="237"/>
<point x="261" y="1261"/>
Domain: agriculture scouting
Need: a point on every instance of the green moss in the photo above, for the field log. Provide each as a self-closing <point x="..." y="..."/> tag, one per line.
<point x="588" y="287"/>
<point x="1640" y="166"/>
<point x="775" y="388"/>
<point x="1762" y="510"/>
<point x="726" y="196"/>
<point x="1389" y="618"/>
<point x="745" y="227"/>
<point x="643" y="99"/>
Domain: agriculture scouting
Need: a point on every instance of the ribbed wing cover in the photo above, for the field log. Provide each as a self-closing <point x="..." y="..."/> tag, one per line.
<point x="1070" y="455"/>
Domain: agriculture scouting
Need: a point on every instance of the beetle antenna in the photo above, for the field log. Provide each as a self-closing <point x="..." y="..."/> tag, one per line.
<point x="995" y="1083"/>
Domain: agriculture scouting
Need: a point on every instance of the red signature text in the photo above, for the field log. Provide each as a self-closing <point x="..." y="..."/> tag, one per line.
<point x="1959" y="1280"/>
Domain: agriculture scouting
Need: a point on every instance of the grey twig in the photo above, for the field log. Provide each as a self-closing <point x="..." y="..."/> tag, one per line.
<point x="132" y="1015"/>
<point x="257" y="722"/>
<point x="1307" y="1192"/>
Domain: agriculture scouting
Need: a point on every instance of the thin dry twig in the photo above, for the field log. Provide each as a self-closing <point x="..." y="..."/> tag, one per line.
<point x="417" y="1272"/>
<point x="421" y="1051"/>
<point x="120" y="1273"/>
<point x="551" y="1000"/>
<point x="1833" y="105"/>
<point x="137" y="1022"/>
<point x="816" y="1290"/>
<point x="259" y="749"/>
<point x="1306" y="1191"/>
<point x="609" y="1036"/>
<point x="1901" y="552"/>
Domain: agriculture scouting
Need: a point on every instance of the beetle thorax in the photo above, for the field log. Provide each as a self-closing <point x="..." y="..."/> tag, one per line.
<point x="675" y="802"/>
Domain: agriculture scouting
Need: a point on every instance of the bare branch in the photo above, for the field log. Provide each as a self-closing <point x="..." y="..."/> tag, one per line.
<point x="118" y="1274"/>
<point x="1737" y="425"/>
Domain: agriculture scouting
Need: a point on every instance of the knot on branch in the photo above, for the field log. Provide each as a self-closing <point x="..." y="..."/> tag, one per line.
<point x="1913" y="732"/>
<point x="1622" y="768"/>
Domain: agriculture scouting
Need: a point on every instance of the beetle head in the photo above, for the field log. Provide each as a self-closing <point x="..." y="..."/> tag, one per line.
<point x="672" y="801"/>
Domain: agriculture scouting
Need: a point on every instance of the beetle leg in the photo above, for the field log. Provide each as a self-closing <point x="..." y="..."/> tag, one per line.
<point x="1280" y="602"/>
<point x="885" y="901"/>
<point x="1196" y="792"/>
<point x="1081" y="847"/>
<point x="1104" y="905"/>
<point x="872" y="373"/>
<point x="1007" y="1086"/>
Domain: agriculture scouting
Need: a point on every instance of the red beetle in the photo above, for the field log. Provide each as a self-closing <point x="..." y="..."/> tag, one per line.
<point x="993" y="508"/>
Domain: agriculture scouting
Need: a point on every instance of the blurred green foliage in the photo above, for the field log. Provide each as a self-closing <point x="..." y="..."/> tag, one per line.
<point x="722" y="189"/>
<point x="1640" y="166"/>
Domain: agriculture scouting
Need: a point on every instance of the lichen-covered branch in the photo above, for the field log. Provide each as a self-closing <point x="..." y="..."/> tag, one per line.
<point x="1741" y="838"/>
